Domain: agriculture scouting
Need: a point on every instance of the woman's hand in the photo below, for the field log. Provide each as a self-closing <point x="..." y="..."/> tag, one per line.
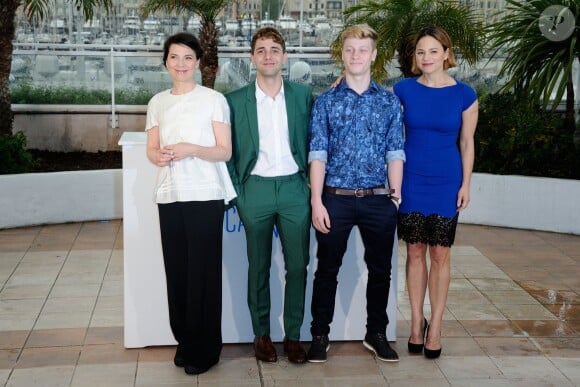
<point x="462" y="198"/>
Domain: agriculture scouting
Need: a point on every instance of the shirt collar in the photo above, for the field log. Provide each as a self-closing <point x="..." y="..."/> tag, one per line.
<point x="261" y="96"/>
<point x="373" y="86"/>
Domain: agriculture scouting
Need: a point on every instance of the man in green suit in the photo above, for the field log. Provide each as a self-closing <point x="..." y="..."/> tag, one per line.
<point x="269" y="119"/>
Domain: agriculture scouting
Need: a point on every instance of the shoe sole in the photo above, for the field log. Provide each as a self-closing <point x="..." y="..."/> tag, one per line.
<point x="370" y="348"/>
<point x="319" y="361"/>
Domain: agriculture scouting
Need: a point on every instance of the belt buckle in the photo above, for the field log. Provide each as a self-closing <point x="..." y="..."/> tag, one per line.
<point x="359" y="192"/>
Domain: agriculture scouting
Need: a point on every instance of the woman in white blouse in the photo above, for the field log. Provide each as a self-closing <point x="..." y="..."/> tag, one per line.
<point x="189" y="139"/>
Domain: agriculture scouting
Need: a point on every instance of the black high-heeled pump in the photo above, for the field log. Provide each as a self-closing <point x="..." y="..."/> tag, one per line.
<point x="431" y="353"/>
<point x="418" y="348"/>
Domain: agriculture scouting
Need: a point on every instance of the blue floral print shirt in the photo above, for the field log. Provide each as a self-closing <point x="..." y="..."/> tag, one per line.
<point x="356" y="135"/>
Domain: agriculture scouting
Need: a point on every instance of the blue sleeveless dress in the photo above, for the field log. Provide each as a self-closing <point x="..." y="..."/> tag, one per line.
<point x="432" y="174"/>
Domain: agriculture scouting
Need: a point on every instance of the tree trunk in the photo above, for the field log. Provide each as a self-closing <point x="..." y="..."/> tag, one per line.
<point x="208" y="36"/>
<point x="406" y="59"/>
<point x="7" y="16"/>
<point x="570" y="116"/>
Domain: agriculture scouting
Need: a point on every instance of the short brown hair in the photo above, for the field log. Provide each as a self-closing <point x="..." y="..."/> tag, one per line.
<point x="268" y="33"/>
<point x="359" y="31"/>
<point x="442" y="37"/>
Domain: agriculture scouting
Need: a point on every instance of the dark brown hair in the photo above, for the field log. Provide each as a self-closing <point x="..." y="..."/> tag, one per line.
<point x="268" y="33"/>
<point x="442" y="37"/>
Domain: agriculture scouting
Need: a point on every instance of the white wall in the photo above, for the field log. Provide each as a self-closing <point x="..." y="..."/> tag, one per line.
<point x="60" y="197"/>
<point x="534" y="203"/>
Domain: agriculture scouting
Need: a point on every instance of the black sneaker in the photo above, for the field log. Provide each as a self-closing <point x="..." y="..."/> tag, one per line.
<point x="318" y="349"/>
<point x="378" y="344"/>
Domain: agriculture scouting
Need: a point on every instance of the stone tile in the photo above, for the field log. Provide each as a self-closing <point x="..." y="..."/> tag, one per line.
<point x="543" y="328"/>
<point x="482" y="312"/>
<point x="161" y="373"/>
<point x="565" y="347"/>
<point x="107" y="318"/>
<point x="46" y="357"/>
<point x="22" y="307"/>
<point x="569" y="367"/>
<point x="509" y="297"/>
<point x="74" y="290"/>
<point x="466" y="297"/>
<point x="508" y="346"/>
<point x="105" y="375"/>
<point x="13" y="339"/>
<point x="8" y="358"/>
<point x="525" y="312"/>
<point x="25" y="291"/>
<point x="69" y="304"/>
<point x="77" y="319"/>
<point x="484" y="284"/>
<point x="107" y="354"/>
<point x="494" y="328"/>
<point x="42" y="377"/>
<point x="411" y="367"/>
<point x="460" y="346"/>
<point x="56" y="337"/>
<point x="244" y="369"/>
<point x="16" y="323"/>
<point x="534" y="368"/>
<point x="104" y="335"/>
<point x="552" y="296"/>
<point x="565" y="312"/>
<point x="468" y="367"/>
<point x="335" y="367"/>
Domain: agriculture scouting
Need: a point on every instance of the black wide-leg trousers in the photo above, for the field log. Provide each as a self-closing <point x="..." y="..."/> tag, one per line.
<point x="191" y="239"/>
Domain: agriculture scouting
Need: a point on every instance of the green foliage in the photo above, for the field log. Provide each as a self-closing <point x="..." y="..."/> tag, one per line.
<point x="14" y="158"/>
<point x="517" y="136"/>
<point x="533" y="62"/>
<point x="397" y="22"/>
<point x="26" y="93"/>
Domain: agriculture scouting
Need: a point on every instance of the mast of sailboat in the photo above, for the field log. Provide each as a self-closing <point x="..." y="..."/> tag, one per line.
<point x="301" y="28"/>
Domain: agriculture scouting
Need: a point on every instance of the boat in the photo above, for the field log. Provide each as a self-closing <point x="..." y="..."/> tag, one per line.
<point x="151" y="25"/>
<point x="248" y="27"/>
<point x="286" y="23"/>
<point x="232" y="26"/>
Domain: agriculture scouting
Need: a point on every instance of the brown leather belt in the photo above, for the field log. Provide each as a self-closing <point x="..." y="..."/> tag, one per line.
<point x="359" y="192"/>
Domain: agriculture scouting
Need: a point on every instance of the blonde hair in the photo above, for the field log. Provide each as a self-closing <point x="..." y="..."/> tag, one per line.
<point x="360" y="31"/>
<point x="442" y="37"/>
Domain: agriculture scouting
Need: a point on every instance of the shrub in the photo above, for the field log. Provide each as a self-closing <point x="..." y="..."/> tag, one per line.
<point x="26" y="93"/>
<point x="14" y="158"/>
<point x="516" y="136"/>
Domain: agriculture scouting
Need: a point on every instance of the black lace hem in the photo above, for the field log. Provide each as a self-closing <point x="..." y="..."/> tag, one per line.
<point x="432" y="230"/>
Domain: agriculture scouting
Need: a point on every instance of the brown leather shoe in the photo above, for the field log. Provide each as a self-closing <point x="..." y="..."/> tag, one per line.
<point x="294" y="351"/>
<point x="264" y="349"/>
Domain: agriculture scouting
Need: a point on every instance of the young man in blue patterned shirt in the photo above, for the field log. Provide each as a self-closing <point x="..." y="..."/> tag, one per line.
<point x="356" y="145"/>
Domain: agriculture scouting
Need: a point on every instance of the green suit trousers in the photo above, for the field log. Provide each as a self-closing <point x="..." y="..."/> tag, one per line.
<point x="284" y="202"/>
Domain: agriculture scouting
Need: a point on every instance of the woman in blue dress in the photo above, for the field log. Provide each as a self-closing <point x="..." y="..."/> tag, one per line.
<point x="438" y="111"/>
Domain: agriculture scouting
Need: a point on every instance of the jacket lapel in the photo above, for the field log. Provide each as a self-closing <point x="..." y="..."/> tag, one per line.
<point x="290" y="112"/>
<point x="252" y="116"/>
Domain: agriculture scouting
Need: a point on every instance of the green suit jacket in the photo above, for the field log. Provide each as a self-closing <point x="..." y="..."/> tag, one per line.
<point x="245" y="137"/>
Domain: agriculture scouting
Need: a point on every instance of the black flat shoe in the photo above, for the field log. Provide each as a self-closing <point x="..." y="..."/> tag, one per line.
<point x="417" y="348"/>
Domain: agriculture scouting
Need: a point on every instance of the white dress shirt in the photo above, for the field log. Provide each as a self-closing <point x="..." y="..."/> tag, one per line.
<point x="274" y="157"/>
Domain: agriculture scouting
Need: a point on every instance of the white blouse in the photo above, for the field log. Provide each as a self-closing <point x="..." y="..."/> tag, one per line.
<point x="188" y="118"/>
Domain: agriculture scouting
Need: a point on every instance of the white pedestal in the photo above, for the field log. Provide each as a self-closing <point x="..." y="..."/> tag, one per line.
<point x="146" y="316"/>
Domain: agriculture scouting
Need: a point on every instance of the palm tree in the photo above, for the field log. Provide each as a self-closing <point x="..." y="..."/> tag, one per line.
<point x="34" y="10"/>
<point x="397" y="22"/>
<point x="208" y="11"/>
<point x="535" y="62"/>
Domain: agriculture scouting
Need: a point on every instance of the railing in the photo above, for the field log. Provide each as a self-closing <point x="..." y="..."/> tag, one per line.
<point x="139" y="67"/>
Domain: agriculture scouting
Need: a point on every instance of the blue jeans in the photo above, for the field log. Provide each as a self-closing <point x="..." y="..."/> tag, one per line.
<point x="376" y="218"/>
